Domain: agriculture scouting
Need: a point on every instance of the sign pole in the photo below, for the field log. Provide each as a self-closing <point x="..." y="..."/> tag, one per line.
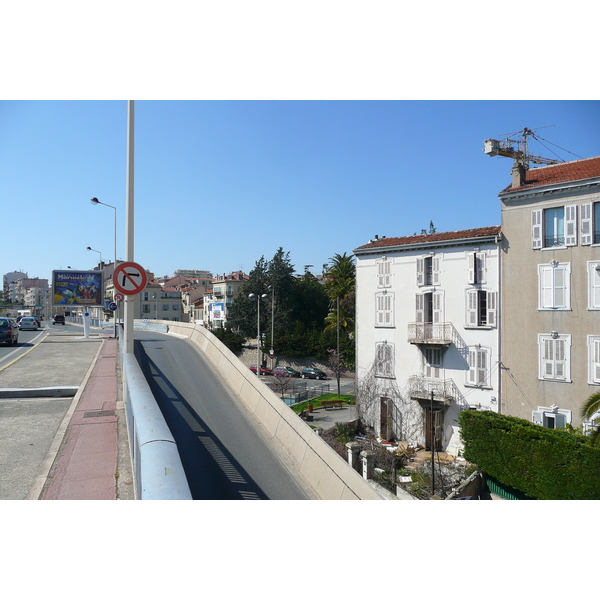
<point x="129" y="300"/>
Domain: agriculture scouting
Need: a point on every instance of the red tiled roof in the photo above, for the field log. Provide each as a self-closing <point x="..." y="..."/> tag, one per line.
<point x="432" y="237"/>
<point x="576" y="170"/>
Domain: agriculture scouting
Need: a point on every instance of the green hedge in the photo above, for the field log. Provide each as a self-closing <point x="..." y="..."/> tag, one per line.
<point x="545" y="464"/>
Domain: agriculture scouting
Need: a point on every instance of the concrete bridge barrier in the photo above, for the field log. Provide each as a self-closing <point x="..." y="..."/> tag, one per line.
<point x="328" y="475"/>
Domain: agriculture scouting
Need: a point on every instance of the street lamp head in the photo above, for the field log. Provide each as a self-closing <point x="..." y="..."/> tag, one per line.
<point x="88" y="248"/>
<point x="95" y="201"/>
<point x="252" y="296"/>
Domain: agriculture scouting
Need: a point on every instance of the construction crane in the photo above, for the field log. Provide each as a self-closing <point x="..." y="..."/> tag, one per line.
<point x="517" y="149"/>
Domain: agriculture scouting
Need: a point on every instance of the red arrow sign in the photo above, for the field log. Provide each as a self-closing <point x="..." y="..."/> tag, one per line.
<point x="130" y="278"/>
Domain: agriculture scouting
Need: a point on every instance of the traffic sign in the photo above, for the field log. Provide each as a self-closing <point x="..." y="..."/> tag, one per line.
<point x="118" y="297"/>
<point x="112" y="306"/>
<point x="130" y="278"/>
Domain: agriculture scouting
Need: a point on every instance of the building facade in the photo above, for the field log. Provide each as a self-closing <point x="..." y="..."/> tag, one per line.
<point x="427" y="333"/>
<point x="551" y="291"/>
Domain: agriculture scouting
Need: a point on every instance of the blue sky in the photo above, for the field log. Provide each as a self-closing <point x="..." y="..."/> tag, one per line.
<point x="218" y="184"/>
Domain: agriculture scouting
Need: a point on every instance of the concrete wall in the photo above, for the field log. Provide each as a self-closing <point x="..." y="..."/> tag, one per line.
<point x="327" y="474"/>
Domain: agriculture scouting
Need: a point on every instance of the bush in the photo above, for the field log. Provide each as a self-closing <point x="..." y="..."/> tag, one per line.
<point x="545" y="464"/>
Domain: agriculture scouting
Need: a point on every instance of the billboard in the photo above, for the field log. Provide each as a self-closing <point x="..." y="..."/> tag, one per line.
<point x="78" y="288"/>
<point x="217" y="311"/>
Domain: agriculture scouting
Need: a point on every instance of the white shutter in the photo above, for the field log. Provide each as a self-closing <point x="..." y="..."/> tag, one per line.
<point x="435" y="271"/>
<point x="536" y="229"/>
<point x="471" y="267"/>
<point x="437" y="307"/>
<point x="560" y="287"/>
<point x="471" y="308"/>
<point x="379" y="311"/>
<point x="420" y="271"/>
<point x="383" y="273"/>
<point x="481" y="366"/>
<point x="387" y="309"/>
<point x="547" y="358"/>
<point x="420" y="308"/>
<point x="560" y="366"/>
<point x="480" y="267"/>
<point x="537" y="417"/>
<point x="472" y="360"/>
<point x="571" y="225"/>
<point x="491" y="309"/>
<point x="594" y="285"/>
<point x="546" y="275"/>
<point x="596" y="361"/>
<point x="586" y="224"/>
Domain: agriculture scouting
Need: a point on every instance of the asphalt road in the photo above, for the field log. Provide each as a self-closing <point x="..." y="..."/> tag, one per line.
<point x="222" y="452"/>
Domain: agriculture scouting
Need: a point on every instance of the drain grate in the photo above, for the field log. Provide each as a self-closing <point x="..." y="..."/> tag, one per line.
<point x="99" y="413"/>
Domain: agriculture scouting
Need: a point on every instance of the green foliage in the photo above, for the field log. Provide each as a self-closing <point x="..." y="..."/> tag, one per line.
<point x="545" y="464"/>
<point x="232" y="340"/>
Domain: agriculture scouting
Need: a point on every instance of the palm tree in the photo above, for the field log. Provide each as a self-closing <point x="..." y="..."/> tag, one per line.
<point x="588" y="410"/>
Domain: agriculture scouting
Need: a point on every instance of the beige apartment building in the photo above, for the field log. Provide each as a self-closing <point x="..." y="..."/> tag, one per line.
<point x="550" y="300"/>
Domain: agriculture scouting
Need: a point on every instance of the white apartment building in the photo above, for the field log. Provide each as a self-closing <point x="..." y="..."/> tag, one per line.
<point x="427" y="333"/>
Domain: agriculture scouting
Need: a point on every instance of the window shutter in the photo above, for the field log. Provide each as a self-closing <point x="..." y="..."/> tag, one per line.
<point x="383" y="273"/>
<point x="491" y="309"/>
<point x="547" y="358"/>
<point x="560" y="287"/>
<point x="571" y="225"/>
<point x="472" y="360"/>
<point x="560" y="370"/>
<point x="481" y="366"/>
<point x="387" y="309"/>
<point x="471" y="267"/>
<point x="437" y="307"/>
<point x="480" y="267"/>
<point x="560" y="420"/>
<point x="471" y="308"/>
<point x="420" y="308"/>
<point x="594" y="283"/>
<point x="546" y="286"/>
<point x="537" y="417"/>
<point x="435" y="271"/>
<point x="420" y="271"/>
<point x="536" y="229"/>
<point x="596" y="361"/>
<point x="586" y="224"/>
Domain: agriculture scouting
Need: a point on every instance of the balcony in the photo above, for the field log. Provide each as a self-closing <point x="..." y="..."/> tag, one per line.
<point x="444" y="390"/>
<point x="435" y="334"/>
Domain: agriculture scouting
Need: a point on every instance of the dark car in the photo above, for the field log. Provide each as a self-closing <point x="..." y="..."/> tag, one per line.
<point x="313" y="374"/>
<point x="263" y="371"/>
<point x="9" y="331"/>
<point x="286" y="371"/>
<point x="58" y="319"/>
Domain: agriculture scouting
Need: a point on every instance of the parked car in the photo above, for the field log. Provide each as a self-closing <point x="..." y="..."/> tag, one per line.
<point x="58" y="320"/>
<point x="313" y="374"/>
<point x="28" y="323"/>
<point x="9" y="331"/>
<point x="263" y="371"/>
<point x="287" y="371"/>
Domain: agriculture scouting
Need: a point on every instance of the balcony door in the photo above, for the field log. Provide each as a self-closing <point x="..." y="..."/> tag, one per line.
<point x="434" y="428"/>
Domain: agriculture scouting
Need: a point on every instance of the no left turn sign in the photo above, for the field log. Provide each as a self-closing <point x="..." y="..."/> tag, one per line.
<point x="130" y="278"/>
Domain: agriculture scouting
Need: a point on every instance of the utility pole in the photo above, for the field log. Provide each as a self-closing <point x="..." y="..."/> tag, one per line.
<point x="432" y="448"/>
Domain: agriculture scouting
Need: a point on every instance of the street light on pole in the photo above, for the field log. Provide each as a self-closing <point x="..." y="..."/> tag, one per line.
<point x="96" y="201"/>
<point x="258" y="361"/>
<point x="100" y="253"/>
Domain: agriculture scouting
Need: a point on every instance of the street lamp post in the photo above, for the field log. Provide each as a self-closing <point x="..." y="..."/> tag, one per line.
<point x="96" y="201"/>
<point x="101" y="265"/>
<point x="258" y="361"/>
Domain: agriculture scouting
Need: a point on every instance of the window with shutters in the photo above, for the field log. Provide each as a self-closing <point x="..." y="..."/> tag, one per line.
<point x="476" y="267"/>
<point x="594" y="359"/>
<point x="479" y="367"/>
<point x="554" y="284"/>
<point x="428" y="270"/>
<point x="594" y="285"/>
<point x="384" y="360"/>
<point x="481" y="308"/>
<point x="432" y="362"/>
<point x="554" y="227"/>
<point x="429" y="307"/>
<point x="555" y="357"/>
<point x="551" y="417"/>
<point x="384" y="273"/>
<point x="384" y="309"/>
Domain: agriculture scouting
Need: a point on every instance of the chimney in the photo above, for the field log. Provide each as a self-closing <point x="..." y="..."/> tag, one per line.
<point x="518" y="175"/>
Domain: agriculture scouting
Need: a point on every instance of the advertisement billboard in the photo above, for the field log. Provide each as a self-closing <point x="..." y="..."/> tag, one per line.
<point x="217" y="311"/>
<point x="78" y="288"/>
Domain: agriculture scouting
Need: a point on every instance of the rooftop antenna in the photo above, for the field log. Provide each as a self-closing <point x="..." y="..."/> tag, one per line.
<point x="517" y="149"/>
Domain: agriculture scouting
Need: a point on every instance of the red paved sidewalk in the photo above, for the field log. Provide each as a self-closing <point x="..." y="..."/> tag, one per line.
<point x="87" y="463"/>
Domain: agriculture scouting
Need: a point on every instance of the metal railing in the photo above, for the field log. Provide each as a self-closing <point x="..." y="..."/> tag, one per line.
<point x="430" y="333"/>
<point x="444" y="390"/>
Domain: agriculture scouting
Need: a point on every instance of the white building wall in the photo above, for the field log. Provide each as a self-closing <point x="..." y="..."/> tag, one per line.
<point x="408" y="359"/>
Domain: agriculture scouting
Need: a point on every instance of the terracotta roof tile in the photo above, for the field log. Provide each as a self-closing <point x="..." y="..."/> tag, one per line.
<point x="576" y="170"/>
<point x="432" y="237"/>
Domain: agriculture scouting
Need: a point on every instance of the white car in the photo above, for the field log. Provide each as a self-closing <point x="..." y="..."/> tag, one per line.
<point x="28" y="323"/>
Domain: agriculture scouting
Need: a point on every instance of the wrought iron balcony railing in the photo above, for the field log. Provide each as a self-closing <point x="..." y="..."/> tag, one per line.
<point x="444" y="390"/>
<point x="431" y="333"/>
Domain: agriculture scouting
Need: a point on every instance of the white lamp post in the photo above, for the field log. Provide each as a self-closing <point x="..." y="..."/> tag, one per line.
<point x="96" y="201"/>
<point x="258" y="361"/>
